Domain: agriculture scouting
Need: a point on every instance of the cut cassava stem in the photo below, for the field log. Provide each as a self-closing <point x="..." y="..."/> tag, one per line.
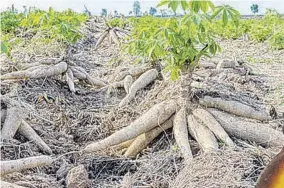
<point x="153" y="117"/>
<point x="234" y="107"/>
<point x="27" y="131"/>
<point x="256" y="132"/>
<point x="24" y="163"/>
<point x="181" y="134"/>
<point x="202" y="135"/>
<point x="213" y="125"/>
<point x="142" y="141"/>
<point x="145" y="79"/>
<point x="37" y="72"/>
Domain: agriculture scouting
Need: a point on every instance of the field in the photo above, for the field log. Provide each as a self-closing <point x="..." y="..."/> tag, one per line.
<point x="140" y="102"/>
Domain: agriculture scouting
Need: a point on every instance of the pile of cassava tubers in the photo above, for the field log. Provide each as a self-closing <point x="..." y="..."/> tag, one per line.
<point x="211" y="122"/>
<point x="215" y="119"/>
<point x="206" y="126"/>
<point x="47" y="68"/>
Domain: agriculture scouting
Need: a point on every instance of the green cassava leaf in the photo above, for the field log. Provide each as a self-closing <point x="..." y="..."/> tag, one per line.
<point x="184" y="5"/>
<point x="225" y="18"/>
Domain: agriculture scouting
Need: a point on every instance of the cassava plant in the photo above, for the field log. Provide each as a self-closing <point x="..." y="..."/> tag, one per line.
<point x="179" y="42"/>
<point x="61" y="26"/>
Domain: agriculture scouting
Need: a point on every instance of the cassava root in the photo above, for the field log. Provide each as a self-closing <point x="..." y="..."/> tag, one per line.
<point x="27" y="131"/>
<point x="202" y="135"/>
<point x="256" y="132"/>
<point x="213" y="125"/>
<point x="37" y="72"/>
<point x="156" y="115"/>
<point x="234" y="107"/>
<point x="181" y="134"/>
<point x="24" y="164"/>
<point x="145" y="79"/>
<point x="142" y="141"/>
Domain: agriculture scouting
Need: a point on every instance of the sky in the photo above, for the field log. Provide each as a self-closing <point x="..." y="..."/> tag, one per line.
<point x="124" y="6"/>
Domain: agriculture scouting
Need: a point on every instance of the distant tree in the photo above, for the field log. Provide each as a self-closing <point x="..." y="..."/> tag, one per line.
<point x="163" y="12"/>
<point x="152" y="11"/>
<point x="115" y="12"/>
<point x="25" y="9"/>
<point x="86" y="11"/>
<point x="104" y="12"/>
<point x="136" y="8"/>
<point x="130" y="13"/>
<point x="12" y="9"/>
<point x="254" y="8"/>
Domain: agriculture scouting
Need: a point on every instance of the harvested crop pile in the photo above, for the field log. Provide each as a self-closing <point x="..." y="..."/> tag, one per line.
<point x="129" y="124"/>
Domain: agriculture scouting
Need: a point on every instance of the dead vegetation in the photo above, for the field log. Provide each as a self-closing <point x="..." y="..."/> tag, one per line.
<point x="121" y="130"/>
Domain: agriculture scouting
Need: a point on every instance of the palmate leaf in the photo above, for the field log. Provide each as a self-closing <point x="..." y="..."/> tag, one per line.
<point x="227" y="12"/>
<point x="234" y="18"/>
<point x="225" y="18"/>
<point x="204" y="6"/>
<point x="184" y="5"/>
<point x="180" y="43"/>
<point x="216" y="12"/>
<point x="173" y="5"/>
<point x="197" y="5"/>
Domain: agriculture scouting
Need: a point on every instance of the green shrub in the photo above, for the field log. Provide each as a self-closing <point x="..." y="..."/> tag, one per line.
<point x="62" y="26"/>
<point x="277" y="40"/>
